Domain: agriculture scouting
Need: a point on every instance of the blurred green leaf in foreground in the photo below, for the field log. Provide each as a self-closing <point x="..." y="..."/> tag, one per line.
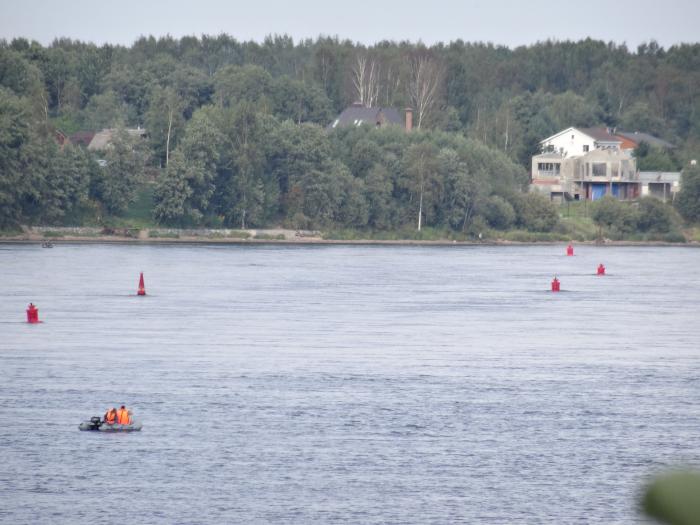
<point x="674" y="499"/>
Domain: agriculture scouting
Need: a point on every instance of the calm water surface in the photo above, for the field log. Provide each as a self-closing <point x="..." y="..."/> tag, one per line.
<point x="324" y="384"/>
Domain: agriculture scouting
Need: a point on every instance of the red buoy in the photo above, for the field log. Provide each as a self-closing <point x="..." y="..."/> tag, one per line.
<point x="601" y="269"/>
<point x="142" y="287"/>
<point x="32" y="314"/>
<point x="569" y="250"/>
<point x="556" y="285"/>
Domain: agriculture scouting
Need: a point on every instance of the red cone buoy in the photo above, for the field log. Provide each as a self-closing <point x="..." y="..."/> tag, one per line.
<point x="142" y="287"/>
<point x="32" y="314"/>
<point x="555" y="285"/>
<point x="569" y="250"/>
<point x="601" y="269"/>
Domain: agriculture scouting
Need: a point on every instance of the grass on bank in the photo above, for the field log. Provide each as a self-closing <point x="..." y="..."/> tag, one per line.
<point x="269" y="237"/>
<point x="139" y="214"/>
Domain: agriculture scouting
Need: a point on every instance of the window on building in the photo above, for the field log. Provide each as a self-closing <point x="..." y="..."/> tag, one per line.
<point x="585" y="148"/>
<point x="600" y="169"/>
<point x="549" y="168"/>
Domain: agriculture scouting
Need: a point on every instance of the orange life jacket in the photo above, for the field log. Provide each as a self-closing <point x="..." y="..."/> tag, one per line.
<point x="111" y="417"/>
<point x="123" y="416"/>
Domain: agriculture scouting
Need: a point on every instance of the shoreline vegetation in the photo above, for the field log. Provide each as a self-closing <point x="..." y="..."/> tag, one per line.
<point x="96" y="235"/>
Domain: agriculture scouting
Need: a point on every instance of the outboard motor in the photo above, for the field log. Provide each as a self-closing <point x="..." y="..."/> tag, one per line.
<point x="94" y="424"/>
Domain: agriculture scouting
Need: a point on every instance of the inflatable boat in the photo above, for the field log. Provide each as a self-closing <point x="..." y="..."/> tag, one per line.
<point x="96" y="424"/>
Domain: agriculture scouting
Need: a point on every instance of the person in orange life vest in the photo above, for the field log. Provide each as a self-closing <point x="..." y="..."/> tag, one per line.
<point x="111" y="416"/>
<point x="123" y="416"/>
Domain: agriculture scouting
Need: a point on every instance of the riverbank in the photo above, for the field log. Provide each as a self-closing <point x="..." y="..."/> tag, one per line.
<point x="50" y="235"/>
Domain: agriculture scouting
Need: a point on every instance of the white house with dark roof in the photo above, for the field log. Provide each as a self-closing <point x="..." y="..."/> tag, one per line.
<point x="584" y="163"/>
<point x="572" y="142"/>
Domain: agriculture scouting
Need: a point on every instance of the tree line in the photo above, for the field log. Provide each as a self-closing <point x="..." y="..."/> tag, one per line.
<point x="237" y="129"/>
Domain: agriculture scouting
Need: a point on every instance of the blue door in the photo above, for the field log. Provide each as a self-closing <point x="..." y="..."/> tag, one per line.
<point x="598" y="191"/>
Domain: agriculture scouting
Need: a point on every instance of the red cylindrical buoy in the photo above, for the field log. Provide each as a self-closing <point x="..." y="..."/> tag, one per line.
<point x="32" y="314"/>
<point x="555" y="285"/>
<point x="601" y="269"/>
<point x="569" y="250"/>
<point x="142" y="287"/>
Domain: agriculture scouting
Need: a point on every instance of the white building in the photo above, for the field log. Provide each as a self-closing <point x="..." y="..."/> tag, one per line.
<point x="663" y="185"/>
<point x="584" y="163"/>
<point x="573" y="142"/>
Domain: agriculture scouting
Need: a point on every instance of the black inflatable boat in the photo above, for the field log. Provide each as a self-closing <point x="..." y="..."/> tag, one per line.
<point x="96" y="424"/>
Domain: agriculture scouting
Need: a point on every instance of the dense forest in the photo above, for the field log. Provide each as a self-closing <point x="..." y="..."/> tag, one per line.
<point x="238" y="131"/>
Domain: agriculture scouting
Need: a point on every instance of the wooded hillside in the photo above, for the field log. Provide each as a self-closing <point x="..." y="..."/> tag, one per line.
<point x="237" y="130"/>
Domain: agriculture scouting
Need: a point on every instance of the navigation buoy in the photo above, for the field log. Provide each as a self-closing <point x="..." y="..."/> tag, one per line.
<point x="32" y="314"/>
<point x="601" y="269"/>
<point x="142" y="287"/>
<point x="556" y="285"/>
<point x="569" y="250"/>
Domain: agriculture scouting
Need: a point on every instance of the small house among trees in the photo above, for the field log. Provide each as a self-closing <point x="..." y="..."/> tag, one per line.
<point x="358" y="115"/>
<point x="103" y="139"/>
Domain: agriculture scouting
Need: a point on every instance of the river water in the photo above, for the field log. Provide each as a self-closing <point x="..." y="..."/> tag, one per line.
<point x="362" y="384"/>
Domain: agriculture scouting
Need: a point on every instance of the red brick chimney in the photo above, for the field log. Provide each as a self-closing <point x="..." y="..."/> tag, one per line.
<point x="409" y="119"/>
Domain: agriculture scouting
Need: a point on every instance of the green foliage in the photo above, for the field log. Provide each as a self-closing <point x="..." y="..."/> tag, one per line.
<point x="654" y="159"/>
<point x="654" y="216"/>
<point x="106" y="110"/>
<point x="269" y="237"/>
<point x="536" y="212"/>
<point x="499" y="213"/>
<point x="119" y="180"/>
<point x="675" y="237"/>
<point x="18" y="145"/>
<point x="241" y="128"/>
<point x="616" y="216"/>
<point x="249" y="83"/>
<point x="688" y="200"/>
<point x="155" y="234"/>
<point x="165" y="121"/>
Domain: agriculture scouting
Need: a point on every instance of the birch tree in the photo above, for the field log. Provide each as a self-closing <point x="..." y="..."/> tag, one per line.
<point x="424" y="85"/>
<point x="365" y="75"/>
<point x="165" y="120"/>
<point x="422" y="167"/>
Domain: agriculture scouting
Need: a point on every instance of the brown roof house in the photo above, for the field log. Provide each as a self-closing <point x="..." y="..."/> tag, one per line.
<point x="632" y="140"/>
<point x="82" y="138"/>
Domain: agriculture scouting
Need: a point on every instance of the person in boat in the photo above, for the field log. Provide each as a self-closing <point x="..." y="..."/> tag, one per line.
<point x="111" y="416"/>
<point x="123" y="416"/>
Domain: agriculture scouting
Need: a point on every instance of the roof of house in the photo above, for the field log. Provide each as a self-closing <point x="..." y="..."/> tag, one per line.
<point x="637" y="137"/>
<point x="102" y="139"/>
<point x="357" y="114"/>
<point x="599" y="134"/>
<point x="82" y="137"/>
<point x="606" y="155"/>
